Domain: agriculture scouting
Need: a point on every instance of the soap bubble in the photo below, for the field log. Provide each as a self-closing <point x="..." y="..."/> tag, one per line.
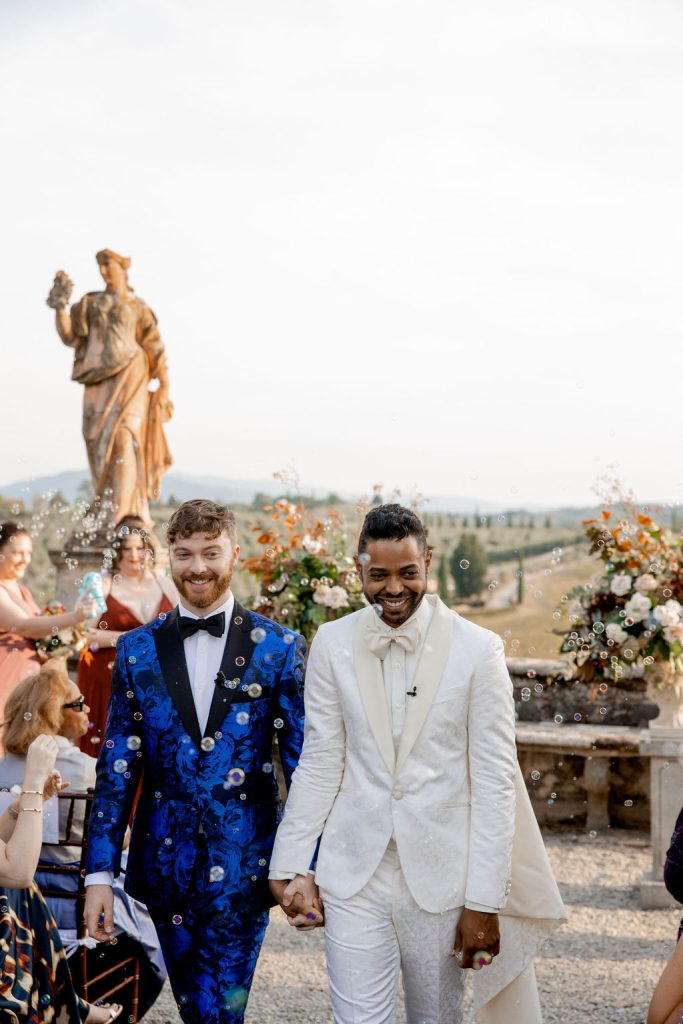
<point x="133" y="742"/>
<point x="464" y="564"/>
<point x="258" y="634"/>
<point x="236" y="776"/>
<point x="216" y="873"/>
<point x="120" y="766"/>
<point x="208" y="743"/>
<point x="535" y="775"/>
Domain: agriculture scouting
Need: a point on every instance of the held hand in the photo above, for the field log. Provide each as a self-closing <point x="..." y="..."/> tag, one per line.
<point x="99" y="912"/>
<point x="475" y="932"/>
<point x="300" y="900"/>
<point x="40" y="761"/>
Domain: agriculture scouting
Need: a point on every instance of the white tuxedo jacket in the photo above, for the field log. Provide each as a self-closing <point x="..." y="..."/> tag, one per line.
<point x="447" y="796"/>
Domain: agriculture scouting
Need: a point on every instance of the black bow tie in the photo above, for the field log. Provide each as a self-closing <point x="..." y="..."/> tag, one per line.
<point x="215" y="625"/>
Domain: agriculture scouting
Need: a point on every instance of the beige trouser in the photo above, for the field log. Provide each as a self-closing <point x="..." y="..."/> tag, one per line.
<point x="381" y="931"/>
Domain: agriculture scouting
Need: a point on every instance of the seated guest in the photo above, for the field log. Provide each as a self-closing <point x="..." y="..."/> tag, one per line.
<point x="35" y="983"/>
<point x="667" y="1000"/>
<point x="48" y="702"/>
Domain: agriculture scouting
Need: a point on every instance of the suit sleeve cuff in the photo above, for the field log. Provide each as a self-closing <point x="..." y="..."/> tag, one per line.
<point x="100" y="878"/>
<point x="468" y="905"/>
<point x="286" y="876"/>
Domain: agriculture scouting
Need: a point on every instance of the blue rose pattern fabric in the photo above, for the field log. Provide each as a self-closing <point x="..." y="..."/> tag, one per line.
<point x="207" y="813"/>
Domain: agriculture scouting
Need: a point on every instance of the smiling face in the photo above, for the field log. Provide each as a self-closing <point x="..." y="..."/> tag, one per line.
<point x="15" y="556"/>
<point x="394" y="575"/>
<point x="202" y="567"/>
<point x="134" y="556"/>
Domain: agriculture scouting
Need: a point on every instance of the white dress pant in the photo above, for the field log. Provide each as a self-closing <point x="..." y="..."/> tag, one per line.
<point x="380" y="931"/>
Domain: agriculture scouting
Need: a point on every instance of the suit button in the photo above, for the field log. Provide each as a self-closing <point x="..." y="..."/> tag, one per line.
<point x="397" y="794"/>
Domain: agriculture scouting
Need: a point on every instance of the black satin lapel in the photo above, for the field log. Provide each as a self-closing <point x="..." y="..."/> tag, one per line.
<point x="171" y="655"/>
<point x="235" y="662"/>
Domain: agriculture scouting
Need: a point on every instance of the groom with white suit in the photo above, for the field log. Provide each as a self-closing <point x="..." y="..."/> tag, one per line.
<point x="409" y="776"/>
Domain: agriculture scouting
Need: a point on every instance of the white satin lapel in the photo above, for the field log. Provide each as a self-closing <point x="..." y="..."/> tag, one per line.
<point x="371" y="685"/>
<point x="430" y="668"/>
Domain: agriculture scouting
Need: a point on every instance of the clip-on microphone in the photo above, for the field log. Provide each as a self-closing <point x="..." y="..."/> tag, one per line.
<point x="412" y="693"/>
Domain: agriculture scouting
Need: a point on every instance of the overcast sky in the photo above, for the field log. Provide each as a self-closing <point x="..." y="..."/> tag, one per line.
<point x="423" y="243"/>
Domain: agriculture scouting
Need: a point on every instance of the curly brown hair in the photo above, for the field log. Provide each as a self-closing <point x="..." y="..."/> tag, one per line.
<point x="201" y="515"/>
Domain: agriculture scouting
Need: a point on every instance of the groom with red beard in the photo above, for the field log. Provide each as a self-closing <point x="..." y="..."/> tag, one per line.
<point x="197" y="697"/>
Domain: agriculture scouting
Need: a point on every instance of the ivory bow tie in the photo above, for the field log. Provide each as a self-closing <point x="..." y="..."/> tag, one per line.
<point x="380" y="640"/>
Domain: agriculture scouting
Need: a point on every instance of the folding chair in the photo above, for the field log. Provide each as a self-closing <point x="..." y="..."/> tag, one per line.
<point x="118" y="976"/>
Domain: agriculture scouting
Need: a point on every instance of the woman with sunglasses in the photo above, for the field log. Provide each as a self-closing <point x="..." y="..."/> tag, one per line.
<point x="49" y="702"/>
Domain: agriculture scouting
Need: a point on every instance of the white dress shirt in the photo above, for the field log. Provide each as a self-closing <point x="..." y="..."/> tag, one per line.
<point x="203" y="655"/>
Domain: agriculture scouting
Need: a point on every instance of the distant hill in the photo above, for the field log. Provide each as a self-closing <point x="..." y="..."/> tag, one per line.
<point x="182" y="486"/>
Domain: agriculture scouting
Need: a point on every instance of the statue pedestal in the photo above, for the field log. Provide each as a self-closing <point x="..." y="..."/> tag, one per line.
<point x="664" y="748"/>
<point x="72" y="562"/>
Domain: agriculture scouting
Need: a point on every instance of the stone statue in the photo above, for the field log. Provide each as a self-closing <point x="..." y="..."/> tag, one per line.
<point x="118" y="351"/>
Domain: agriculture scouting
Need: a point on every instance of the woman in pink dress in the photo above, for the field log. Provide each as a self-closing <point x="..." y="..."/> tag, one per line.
<point x="21" y="622"/>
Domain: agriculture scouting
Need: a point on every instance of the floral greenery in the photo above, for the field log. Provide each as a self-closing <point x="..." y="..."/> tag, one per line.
<point x="629" y="622"/>
<point x="303" y="573"/>
<point x="62" y="643"/>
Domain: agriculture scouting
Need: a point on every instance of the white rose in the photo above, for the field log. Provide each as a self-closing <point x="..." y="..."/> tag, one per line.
<point x="620" y="585"/>
<point x="338" y="598"/>
<point x="646" y="583"/>
<point x="668" y="614"/>
<point x="616" y="633"/>
<point x="674" y="634"/>
<point x="638" y="607"/>
<point x="313" y="547"/>
<point x="321" y="595"/>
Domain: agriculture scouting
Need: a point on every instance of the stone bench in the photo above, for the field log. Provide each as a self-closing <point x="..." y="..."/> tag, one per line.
<point x="596" y="770"/>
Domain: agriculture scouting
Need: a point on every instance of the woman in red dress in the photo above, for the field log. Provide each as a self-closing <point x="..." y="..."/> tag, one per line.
<point x="135" y="593"/>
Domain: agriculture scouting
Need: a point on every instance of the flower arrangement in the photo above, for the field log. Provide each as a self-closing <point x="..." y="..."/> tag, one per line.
<point x="303" y="573"/>
<point x="629" y="622"/>
<point x="62" y="643"/>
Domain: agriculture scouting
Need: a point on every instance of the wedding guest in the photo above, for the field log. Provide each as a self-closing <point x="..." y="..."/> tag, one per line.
<point x="21" y="622"/>
<point x="36" y="984"/>
<point x="667" y="1000"/>
<point x="50" y="703"/>
<point x="135" y="594"/>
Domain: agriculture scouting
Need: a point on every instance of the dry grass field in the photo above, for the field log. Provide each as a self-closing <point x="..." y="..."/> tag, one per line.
<point x="528" y="628"/>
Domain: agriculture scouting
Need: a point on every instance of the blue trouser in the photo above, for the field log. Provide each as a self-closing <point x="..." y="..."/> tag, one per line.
<point x="210" y="947"/>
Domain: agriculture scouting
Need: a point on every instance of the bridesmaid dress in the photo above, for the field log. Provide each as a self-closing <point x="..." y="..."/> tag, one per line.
<point x="95" y="667"/>
<point x="18" y="655"/>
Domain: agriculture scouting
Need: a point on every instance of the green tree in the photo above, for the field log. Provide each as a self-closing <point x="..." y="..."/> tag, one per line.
<point x="510" y="519"/>
<point x="548" y="522"/>
<point x="465" y="522"/>
<point x="468" y="566"/>
<point x="443" y="579"/>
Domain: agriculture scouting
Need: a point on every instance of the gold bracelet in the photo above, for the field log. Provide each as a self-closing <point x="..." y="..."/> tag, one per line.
<point x="31" y="792"/>
<point x="36" y="810"/>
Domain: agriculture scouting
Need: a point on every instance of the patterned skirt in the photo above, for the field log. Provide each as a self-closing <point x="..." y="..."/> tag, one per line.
<point x="35" y="983"/>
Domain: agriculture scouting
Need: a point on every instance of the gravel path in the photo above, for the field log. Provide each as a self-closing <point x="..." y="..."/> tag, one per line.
<point x="601" y="967"/>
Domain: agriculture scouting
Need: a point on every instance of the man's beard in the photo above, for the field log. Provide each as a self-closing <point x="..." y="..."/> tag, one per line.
<point x="221" y="585"/>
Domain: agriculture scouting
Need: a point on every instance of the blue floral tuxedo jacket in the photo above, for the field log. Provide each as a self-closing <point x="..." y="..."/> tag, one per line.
<point x="221" y="784"/>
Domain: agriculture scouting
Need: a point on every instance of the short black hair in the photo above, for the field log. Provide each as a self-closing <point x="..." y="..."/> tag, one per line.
<point x="391" y="522"/>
